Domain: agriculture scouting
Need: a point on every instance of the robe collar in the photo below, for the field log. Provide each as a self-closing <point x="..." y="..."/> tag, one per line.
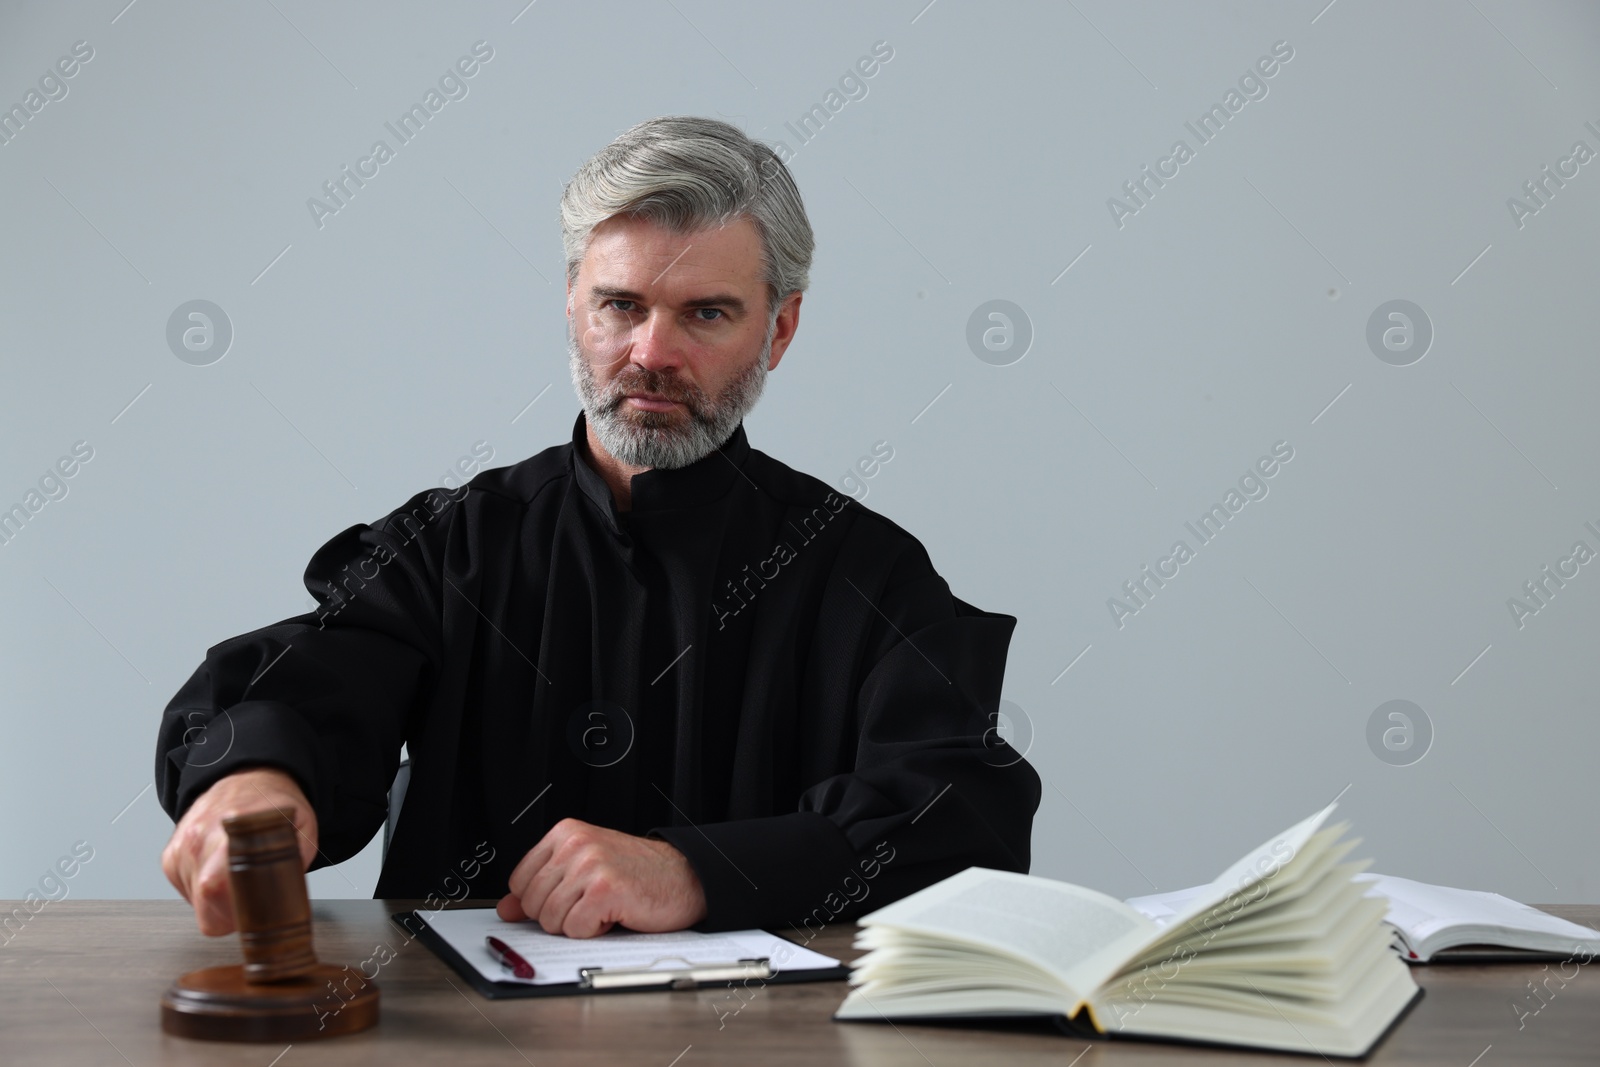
<point x="659" y="489"/>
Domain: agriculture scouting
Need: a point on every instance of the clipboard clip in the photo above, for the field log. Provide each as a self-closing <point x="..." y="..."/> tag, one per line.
<point x="689" y="976"/>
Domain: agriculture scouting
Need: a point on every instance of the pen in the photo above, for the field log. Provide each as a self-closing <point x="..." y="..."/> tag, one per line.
<point x="508" y="957"/>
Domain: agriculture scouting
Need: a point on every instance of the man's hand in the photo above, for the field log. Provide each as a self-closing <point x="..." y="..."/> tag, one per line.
<point x="581" y="880"/>
<point x="196" y="859"/>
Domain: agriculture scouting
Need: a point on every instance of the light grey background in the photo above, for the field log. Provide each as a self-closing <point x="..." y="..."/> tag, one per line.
<point x="1228" y="314"/>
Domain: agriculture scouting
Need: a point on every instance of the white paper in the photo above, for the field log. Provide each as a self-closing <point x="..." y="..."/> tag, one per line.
<point x="1162" y="908"/>
<point x="556" y="959"/>
<point x="1421" y="910"/>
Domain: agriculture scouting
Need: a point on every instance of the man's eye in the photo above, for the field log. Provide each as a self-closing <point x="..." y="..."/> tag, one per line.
<point x="714" y="311"/>
<point x="615" y="302"/>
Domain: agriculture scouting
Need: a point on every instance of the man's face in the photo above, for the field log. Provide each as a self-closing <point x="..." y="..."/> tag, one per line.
<point x="667" y="337"/>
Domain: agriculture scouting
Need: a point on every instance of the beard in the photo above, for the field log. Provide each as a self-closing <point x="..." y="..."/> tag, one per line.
<point x="666" y="439"/>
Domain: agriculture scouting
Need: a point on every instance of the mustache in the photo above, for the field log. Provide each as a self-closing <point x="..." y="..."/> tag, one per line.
<point x="656" y="384"/>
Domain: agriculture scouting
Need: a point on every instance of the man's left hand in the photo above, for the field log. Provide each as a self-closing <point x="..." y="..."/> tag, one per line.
<point x="581" y="880"/>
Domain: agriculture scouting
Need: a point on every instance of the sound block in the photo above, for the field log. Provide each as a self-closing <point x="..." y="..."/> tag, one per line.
<point x="218" y="1004"/>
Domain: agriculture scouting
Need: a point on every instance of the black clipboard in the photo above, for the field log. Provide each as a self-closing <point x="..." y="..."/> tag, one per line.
<point x="419" y="930"/>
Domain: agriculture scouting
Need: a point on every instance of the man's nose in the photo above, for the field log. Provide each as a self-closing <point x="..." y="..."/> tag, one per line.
<point x="658" y="342"/>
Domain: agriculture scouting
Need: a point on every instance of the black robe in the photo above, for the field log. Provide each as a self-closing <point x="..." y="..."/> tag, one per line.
<point x="748" y="665"/>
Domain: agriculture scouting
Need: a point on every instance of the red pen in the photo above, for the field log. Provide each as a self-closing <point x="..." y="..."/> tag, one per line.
<point x="508" y="957"/>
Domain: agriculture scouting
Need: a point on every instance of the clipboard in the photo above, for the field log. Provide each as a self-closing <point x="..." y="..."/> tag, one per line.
<point x="665" y="978"/>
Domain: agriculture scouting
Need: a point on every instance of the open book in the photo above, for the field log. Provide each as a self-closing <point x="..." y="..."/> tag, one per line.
<point x="1283" y="950"/>
<point x="1440" y="922"/>
<point x="1435" y="921"/>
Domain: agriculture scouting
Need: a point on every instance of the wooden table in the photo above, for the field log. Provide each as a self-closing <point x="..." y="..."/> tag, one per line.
<point x="81" y="980"/>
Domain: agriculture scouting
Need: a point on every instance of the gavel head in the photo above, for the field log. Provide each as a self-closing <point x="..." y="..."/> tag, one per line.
<point x="270" y="903"/>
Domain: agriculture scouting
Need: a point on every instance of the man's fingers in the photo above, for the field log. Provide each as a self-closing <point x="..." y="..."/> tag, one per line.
<point x="535" y="894"/>
<point x="538" y="863"/>
<point x="557" y="840"/>
<point x="212" y="893"/>
<point x="169" y="867"/>
<point x="530" y="865"/>
<point x="305" y="825"/>
<point x="553" y="912"/>
<point x="589" y="915"/>
<point x="510" y="909"/>
<point x="182" y="857"/>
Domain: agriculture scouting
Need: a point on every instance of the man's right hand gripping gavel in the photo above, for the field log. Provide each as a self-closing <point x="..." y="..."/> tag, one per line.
<point x="196" y="859"/>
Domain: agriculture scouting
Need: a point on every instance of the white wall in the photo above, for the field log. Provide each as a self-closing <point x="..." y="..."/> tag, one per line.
<point x="1226" y="314"/>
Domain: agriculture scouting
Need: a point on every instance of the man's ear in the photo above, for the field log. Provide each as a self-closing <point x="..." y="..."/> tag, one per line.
<point x="783" y="329"/>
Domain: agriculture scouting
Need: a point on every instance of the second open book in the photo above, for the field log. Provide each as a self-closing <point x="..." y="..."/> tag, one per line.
<point x="1439" y="922"/>
<point x="1283" y="950"/>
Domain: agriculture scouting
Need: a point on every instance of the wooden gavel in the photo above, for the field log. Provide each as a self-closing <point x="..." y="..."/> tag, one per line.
<point x="280" y="992"/>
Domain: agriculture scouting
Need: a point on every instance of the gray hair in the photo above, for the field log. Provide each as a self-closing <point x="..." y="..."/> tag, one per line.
<point x="687" y="173"/>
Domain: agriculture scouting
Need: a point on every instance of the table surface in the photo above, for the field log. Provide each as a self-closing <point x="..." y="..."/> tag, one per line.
<point x="81" y="983"/>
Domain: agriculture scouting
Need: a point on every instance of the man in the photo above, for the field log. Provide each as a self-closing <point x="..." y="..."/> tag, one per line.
<point x="658" y="678"/>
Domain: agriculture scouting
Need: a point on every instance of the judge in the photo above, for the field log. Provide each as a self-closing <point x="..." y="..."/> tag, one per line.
<point x="650" y="677"/>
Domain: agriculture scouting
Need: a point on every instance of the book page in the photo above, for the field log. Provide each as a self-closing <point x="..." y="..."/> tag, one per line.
<point x="1264" y="861"/>
<point x="1077" y="934"/>
<point x="1162" y="908"/>
<point x="556" y="959"/>
<point x="1420" y="911"/>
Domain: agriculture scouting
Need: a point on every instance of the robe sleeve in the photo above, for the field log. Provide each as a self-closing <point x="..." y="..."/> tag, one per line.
<point x="932" y="791"/>
<point x="324" y="696"/>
